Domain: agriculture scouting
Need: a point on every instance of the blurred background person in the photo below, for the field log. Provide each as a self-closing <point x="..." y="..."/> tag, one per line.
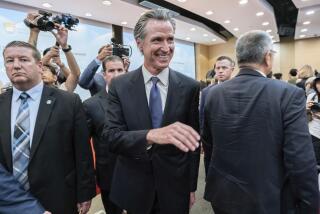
<point x="293" y="76"/>
<point x="278" y="76"/>
<point x="303" y="74"/>
<point x="309" y="85"/>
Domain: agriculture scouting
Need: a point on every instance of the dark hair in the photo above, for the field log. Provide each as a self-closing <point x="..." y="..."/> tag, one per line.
<point x="293" y="72"/>
<point x="278" y="76"/>
<point x="35" y="53"/>
<point x="220" y="58"/>
<point x="112" y="58"/>
<point x="51" y="68"/>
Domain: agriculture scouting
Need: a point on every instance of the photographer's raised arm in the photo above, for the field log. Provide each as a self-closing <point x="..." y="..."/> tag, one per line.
<point x="62" y="39"/>
<point x="34" y="31"/>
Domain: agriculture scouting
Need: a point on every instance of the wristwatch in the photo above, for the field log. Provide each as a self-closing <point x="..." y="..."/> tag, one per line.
<point x="67" y="49"/>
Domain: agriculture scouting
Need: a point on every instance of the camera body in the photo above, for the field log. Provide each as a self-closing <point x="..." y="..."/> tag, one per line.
<point x="315" y="107"/>
<point x="67" y="20"/>
<point x="120" y="51"/>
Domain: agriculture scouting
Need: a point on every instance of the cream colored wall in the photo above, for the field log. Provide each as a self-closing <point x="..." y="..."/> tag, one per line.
<point x="290" y="54"/>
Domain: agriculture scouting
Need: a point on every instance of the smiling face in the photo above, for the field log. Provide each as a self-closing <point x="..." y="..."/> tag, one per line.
<point x="23" y="70"/>
<point x="157" y="45"/>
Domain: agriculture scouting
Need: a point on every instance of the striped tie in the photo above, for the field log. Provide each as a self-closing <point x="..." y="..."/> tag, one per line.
<point x="21" y="143"/>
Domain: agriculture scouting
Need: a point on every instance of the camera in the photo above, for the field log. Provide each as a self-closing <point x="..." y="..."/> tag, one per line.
<point x="67" y="20"/>
<point x="315" y="107"/>
<point x="120" y="50"/>
<point x="45" y="22"/>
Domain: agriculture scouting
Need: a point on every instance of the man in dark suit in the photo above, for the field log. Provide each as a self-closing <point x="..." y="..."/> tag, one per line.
<point x="14" y="199"/>
<point x="44" y="136"/>
<point x="95" y="108"/>
<point x="151" y="123"/>
<point x="262" y="159"/>
<point x="223" y="67"/>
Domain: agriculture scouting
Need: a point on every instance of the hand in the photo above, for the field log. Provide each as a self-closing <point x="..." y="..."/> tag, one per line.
<point x="47" y="212"/>
<point x="126" y="62"/>
<point x="57" y="60"/>
<point x="192" y="199"/>
<point x="54" y="52"/>
<point x="105" y="51"/>
<point x="32" y="18"/>
<point x="309" y="105"/>
<point x="178" y="134"/>
<point x="61" y="35"/>
<point x="84" y="207"/>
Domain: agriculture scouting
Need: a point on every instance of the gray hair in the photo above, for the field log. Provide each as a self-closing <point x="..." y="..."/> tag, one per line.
<point x="252" y="47"/>
<point x="158" y="14"/>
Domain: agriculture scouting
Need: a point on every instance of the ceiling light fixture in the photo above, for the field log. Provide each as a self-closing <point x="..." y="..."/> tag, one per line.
<point x="227" y="21"/>
<point x="260" y="14"/>
<point x="108" y="3"/>
<point x="214" y="40"/>
<point x="192" y="29"/>
<point x="242" y="2"/>
<point x="304" y="30"/>
<point x="265" y="23"/>
<point x="236" y="29"/>
<point x="47" y="5"/>
<point x="310" y="12"/>
<point x="124" y="23"/>
<point x="306" y="22"/>
<point x="209" y="12"/>
<point x="187" y="38"/>
<point x="88" y="14"/>
<point x="182" y="1"/>
<point x="205" y="35"/>
<point x="269" y="31"/>
<point x="302" y="36"/>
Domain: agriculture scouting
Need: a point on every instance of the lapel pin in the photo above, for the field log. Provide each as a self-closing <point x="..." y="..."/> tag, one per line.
<point x="49" y="102"/>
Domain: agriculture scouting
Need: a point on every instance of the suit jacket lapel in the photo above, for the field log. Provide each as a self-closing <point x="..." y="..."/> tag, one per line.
<point x="45" y="108"/>
<point x="172" y="102"/>
<point x="139" y="98"/>
<point x="5" y="130"/>
<point x="102" y="99"/>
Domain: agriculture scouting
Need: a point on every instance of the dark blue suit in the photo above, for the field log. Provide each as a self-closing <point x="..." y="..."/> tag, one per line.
<point x="262" y="160"/>
<point x="13" y="199"/>
<point x="91" y="80"/>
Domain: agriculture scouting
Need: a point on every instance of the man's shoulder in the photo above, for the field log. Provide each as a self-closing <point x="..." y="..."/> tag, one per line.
<point x="95" y="98"/>
<point x="184" y="78"/>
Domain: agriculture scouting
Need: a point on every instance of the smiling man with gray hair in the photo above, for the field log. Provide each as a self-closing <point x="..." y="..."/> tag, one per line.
<point x="262" y="160"/>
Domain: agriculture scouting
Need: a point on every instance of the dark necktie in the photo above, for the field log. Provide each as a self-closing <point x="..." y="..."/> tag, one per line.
<point x="155" y="104"/>
<point x="21" y="143"/>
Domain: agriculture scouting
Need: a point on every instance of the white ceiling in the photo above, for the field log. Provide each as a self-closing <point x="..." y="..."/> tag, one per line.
<point x="242" y="17"/>
<point x="305" y="15"/>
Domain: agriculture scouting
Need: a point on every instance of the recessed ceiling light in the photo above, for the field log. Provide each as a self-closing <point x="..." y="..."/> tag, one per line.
<point x="187" y="38"/>
<point x="213" y="40"/>
<point x="209" y="12"/>
<point x="182" y="1"/>
<point x="88" y="14"/>
<point x="205" y="35"/>
<point x="265" y="23"/>
<point x="260" y="14"/>
<point x="106" y="2"/>
<point x="236" y="29"/>
<point x="227" y="21"/>
<point x="124" y="23"/>
<point x="192" y="29"/>
<point x="243" y="2"/>
<point x="306" y="22"/>
<point x="304" y="30"/>
<point x="47" y="5"/>
<point x="269" y="31"/>
<point x="310" y="12"/>
<point x="302" y="36"/>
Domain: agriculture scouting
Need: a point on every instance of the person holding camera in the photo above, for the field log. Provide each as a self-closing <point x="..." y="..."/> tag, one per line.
<point x="94" y="81"/>
<point x="313" y="111"/>
<point x="53" y="55"/>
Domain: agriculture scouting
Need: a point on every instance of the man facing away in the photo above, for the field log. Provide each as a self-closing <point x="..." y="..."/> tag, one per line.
<point x="255" y="128"/>
<point x="151" y="124"/>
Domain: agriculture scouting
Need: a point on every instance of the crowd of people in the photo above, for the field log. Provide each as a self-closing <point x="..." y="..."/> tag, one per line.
<point x="260" y="136"/>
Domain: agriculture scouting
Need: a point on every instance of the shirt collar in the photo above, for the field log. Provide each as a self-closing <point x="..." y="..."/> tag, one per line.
<point x="34" y="92"/>
<point x="163" y="76"/>
<point x="260" y="72"/>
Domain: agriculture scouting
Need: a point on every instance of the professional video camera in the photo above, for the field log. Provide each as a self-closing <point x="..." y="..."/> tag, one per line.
<point x="45" y="22"/>
<point x="120" y="50"/>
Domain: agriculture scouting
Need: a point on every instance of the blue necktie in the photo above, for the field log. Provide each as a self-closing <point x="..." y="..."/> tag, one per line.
<point x="155" y="104"/>
<point x="21" y="143"/>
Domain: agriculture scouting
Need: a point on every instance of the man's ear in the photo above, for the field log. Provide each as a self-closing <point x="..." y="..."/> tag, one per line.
<point x="268" y="59"/>
<point x="140" y="44"/>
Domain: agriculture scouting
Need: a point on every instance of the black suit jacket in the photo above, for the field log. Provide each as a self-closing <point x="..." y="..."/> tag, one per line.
<point x="163" y="170"/>
<point x="96" y="108"/>
<point x="60" y="170"/>
<point x="262" y="158"/>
